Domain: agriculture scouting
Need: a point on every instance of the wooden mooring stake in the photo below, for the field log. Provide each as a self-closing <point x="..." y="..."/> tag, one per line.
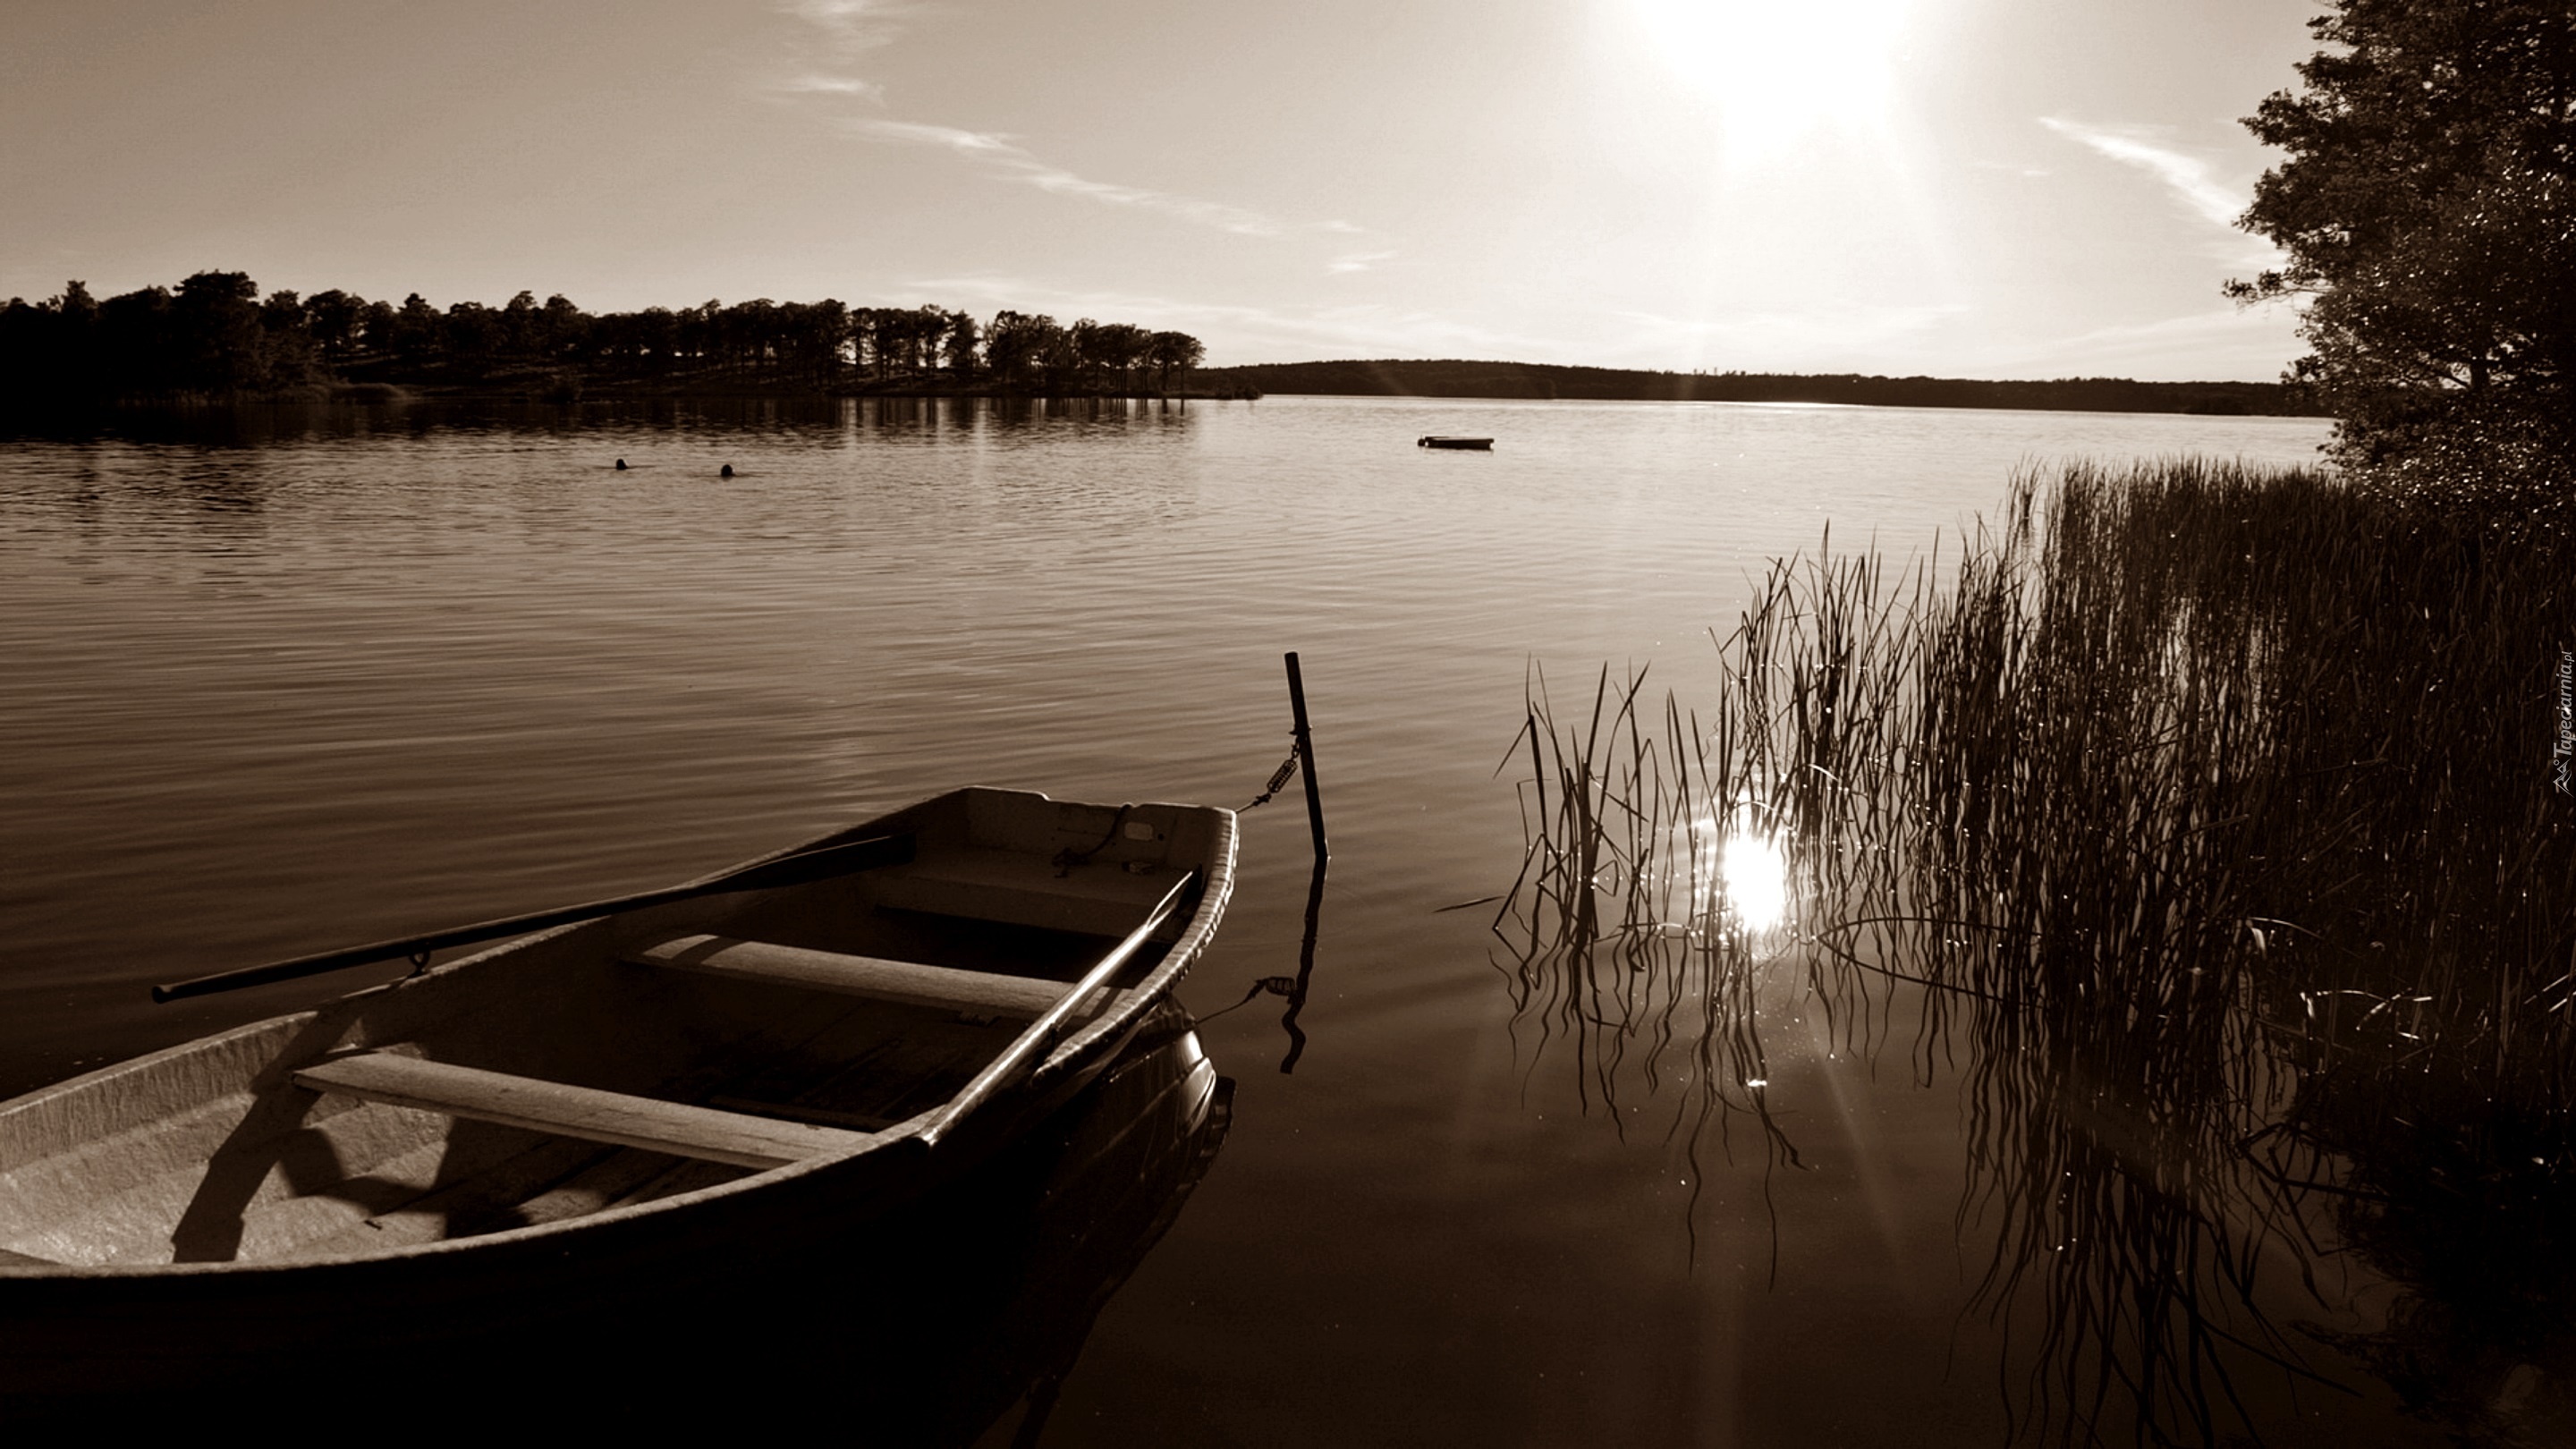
<point x="1306" y="759"/>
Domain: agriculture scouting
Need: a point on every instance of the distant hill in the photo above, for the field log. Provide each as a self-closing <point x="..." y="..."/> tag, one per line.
<point x="1449" y="378"/>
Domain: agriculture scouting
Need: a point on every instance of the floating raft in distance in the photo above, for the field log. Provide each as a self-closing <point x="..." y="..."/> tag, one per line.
<point x="1433" y="440"/>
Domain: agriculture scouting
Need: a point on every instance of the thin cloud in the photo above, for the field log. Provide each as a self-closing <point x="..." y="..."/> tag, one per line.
<point x="854" y="26"/>
<point x="830" y="85"/>
<point x="1349" y="262"/>
<point x="977" y="144"/>
<point x="850" y="29"/>
<point x="1003" y="157"/>
<point x="2187" y="176"/>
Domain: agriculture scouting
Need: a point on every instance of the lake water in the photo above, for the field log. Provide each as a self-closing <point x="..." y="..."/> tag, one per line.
<point x="283" y="680"/>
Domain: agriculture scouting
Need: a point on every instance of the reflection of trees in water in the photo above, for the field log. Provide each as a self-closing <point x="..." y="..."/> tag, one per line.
<point x="2212" y="812"/>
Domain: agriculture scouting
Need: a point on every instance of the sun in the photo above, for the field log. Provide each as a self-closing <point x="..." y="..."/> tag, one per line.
<point x="1780" y="70"/>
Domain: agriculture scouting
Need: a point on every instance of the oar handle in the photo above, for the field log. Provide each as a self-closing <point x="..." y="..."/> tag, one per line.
<point x="802" y="868"/>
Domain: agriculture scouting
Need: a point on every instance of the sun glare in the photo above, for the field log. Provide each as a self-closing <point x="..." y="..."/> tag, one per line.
<point x="1778" y="69"/>
<point x="1757" y="881"/>
<point x="1746" y="869"/>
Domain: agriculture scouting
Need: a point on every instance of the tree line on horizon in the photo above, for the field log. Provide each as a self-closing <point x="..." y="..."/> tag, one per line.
<point x="1449" y="377"/>
<point x="214" y="335"/>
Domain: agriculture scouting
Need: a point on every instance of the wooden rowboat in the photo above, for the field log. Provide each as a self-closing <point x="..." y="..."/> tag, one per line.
<point x="1436" y="441"/>
<point x="588" y="1136"/>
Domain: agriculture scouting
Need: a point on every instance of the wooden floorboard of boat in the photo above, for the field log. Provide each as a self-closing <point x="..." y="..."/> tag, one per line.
<point x="875" y="1067"/>
<point x="613" y="1181"/>
<point x="907" y="1074"/>
<point x="799" y="1112"/>
<point x="678" y="1178"/>
<point x="482" y="1202"/>
<point x="315" y="1203"/>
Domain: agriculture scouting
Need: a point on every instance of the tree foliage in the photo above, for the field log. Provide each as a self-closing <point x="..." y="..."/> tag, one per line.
<point x="215" y="336"/>
<point x="2428" y="209"/>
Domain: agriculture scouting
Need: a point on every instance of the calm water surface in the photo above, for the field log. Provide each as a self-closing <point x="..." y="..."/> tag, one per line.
<point x="278" y="681"/>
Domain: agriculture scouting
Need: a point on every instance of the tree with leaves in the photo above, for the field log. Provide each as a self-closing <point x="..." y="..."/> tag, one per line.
<point x="334" y="318"/>
<point x="1172" y="355"/>
<point x="1017" y="346"/>
<point x="2428" y="207"/>
<point x="959" y="346"/>
<point x="219" y="340"/>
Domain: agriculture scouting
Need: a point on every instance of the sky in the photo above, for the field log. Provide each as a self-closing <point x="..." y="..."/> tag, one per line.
<point x="1972" y="188"/>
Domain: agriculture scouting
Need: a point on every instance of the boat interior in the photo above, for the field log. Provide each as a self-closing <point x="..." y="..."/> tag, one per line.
<point x="627" y="1059"/>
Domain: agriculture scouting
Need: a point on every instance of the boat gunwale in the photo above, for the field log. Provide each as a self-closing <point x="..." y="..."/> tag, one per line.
<point x="1123" y="1013"/>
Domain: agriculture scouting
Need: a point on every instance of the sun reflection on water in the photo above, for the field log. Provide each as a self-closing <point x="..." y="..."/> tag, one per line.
<point x="1742" y="873"/>
<point x="1757" y="880"/>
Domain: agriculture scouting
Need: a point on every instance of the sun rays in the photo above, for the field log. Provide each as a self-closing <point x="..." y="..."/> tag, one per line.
<point x="1777" y="73"/>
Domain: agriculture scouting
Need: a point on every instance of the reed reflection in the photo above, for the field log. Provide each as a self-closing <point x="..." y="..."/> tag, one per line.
<point x="2208" y="811"/>
<point x="1639" y="929"/>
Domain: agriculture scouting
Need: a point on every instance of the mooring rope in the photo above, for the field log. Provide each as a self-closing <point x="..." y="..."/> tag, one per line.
<point x="1274" y="985"/>
<point x="1278" y="777"/>
<point x="1067" y="858"/>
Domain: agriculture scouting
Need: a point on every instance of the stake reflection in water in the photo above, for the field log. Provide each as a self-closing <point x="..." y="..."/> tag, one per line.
<point x="2202" y="813"/>
<point x="1305" y="969"/>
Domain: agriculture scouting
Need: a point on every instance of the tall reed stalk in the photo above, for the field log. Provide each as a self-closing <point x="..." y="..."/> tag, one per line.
<point x="2209" y="811"/>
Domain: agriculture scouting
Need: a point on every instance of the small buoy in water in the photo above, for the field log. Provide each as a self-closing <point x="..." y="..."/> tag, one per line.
<point x="725" y="472"/>
<point x="621" y="465"/>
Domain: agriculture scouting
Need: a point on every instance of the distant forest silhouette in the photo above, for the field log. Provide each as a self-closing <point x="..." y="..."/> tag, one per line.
<point x="214" y="335"/>
<point x="1452" y="378"/>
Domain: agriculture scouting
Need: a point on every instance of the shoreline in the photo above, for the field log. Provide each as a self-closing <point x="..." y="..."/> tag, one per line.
<point x="1550" y="382"/>
<point x="565" y="388"/>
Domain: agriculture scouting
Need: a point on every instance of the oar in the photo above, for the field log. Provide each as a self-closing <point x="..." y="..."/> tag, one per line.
<point x="801" y="868"/>
<point x="1041" y="1033"/>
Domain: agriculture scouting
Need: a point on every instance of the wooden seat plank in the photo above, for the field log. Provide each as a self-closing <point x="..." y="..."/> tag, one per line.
<point x="979" y="993"/>
<point x="568" y="1111"/>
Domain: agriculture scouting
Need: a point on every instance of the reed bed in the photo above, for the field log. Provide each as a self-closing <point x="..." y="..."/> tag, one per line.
<point x="2208" y="815"/>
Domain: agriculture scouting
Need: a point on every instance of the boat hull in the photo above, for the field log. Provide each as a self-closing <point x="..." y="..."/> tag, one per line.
<point x="626" y="1293"/>
<point x="855" y="1296"/>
